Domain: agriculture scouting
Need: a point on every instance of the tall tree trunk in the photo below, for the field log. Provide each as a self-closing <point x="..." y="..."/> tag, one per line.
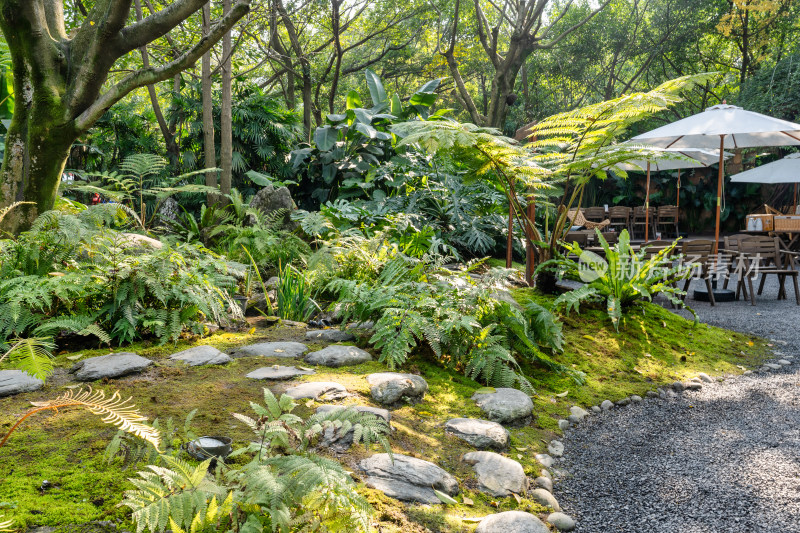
<point x="226" y="118"/>
<point x="209" y="149"/>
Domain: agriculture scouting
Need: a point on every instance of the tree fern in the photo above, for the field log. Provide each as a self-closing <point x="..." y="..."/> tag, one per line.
<point x="31" y="355"/>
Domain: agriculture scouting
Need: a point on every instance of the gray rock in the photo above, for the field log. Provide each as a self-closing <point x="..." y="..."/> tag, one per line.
<point x="555" y="448"/>
<point x="17" y="381"/>
<point x="544" y="483"/>
<point x="636" y="398"/>
<point x="561" y="521"/>
<point x="784" y="362"/>
<point x="607" y="405"/>
<point x="747" y="372"/>
<point x="506" y="406"/>
<point x="764" y="368"/>
<point x="482" y="434"/>
<point x="288" y="350"/>
<point x="651" y="394"/>
<point x="511" y="522"/>
<point x="391" y="388"/>
<point x="337" y="355"/>
<point x="578" y="412"/>
<point x="544" y="460"/>
<point x="113" y="365"/>
<point x="671" y="394"/>
<point x="574" y="420"/>
<point x="546" y="473"/>
<point x="543" y="497"/>
<point x="318" y="390"/>
<point x="269" y="200"/>
<point x="692" y="385"/>
<point x="201" y="355"/>
<point x="497" y="475"/>
<point x="377" y="411"/>
<point x="329" y="335"/>
<point x="563" y="425"/>
<point x="623" y="402"/>
<point x="139" y="243"/>
<point x="596" y="409"/>
<point x="407" y="479"/>
<point x="277" y="372"/>
<point x="678" y="386"/>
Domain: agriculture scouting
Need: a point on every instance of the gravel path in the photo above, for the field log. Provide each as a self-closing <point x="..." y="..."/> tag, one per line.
<point x="723" y="459"/>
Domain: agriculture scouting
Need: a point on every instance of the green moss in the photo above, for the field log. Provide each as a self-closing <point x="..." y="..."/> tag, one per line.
<point x="653" y="347"/>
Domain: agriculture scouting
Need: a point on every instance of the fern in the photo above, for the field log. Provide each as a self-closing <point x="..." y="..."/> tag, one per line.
<point x="31" y="355"/>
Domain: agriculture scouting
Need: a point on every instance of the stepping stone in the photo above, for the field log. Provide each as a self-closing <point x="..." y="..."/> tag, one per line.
<point x="277" y="372"/>
<point x="17" y="381"/>
<point x="512" y="522"/>
<point x="391" y="388"/>
<point x="407" y="479"/>
<point x="481" y="434"/>
<point x="377" y="411"/>
<point x="201" y="355"/>
<point x="329" y="335"/>
<point x="497" y="475"/>
<point x="113" y="365"/>
<point x="561" y="521"/>
<point x="506" y="406"/>
<point x="332" y="438"/>
<point x="318" y="390"/>
<point x="337" y="355"/>
<point x="544" y="497"/>
<point x="288" y="350"/>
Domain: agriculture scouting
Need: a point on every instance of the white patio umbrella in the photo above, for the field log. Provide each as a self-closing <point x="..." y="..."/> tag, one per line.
<point x="786" y="170"/>
<point x="692" y="158"/>
<point x="723" y="126"/>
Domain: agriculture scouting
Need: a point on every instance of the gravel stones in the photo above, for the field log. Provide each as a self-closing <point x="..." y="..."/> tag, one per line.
<point x="318" y="390"/>
<point x="392" y="388"/>
<point x="543" y="497"/>
<point x="561" y="521"/>
<point x="497" y="475"/>
<point x="607" y="405"/>
<point x="113" y="365"/>
<point x="511" y="522"/>
<point x="277" y="372"/>
<point x="555" y="448"/>
<point x="407" y="479"/>
<point x="482" y="434"/>
<point x="506" y="406"/>
<point x="329" y="335"/>
<point x="337" y="355"/>
<point x="201" y="355"/>
<point x="16" y="381"/>
<point x="289" y="350"/>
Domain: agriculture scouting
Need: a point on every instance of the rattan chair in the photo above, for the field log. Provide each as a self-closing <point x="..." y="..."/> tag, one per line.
<point x="577" y="218"/>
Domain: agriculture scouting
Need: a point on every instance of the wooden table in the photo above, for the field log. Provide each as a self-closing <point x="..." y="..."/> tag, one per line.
<point x="790" y="240"/>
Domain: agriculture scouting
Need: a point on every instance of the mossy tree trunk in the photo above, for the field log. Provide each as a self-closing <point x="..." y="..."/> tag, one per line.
<point x="60" y="84"/>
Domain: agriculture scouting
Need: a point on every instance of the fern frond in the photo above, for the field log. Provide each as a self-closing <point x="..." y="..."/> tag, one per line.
<point x="32" y="355"/>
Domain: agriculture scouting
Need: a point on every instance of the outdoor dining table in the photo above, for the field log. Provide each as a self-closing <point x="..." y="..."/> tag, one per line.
<point x="790" y="240"/>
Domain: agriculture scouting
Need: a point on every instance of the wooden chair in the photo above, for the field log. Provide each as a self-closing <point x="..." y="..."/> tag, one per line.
<point x="580" y="237"/>
<point x="762" y="256"/>
<point x="619" y="218"/>
<point x="611" y="237"/>
<point x="639" y="221"/>
<point x="730" y="254"/>
<point x="668" y="219"/>
<point x="594" y="214"/>
<point x="698" y="255"/>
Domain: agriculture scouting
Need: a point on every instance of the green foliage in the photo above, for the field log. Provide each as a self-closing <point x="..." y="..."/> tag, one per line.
<point x="293" y="295"/>
<point x="621" y="279"/>
<point x="284" y="487"/>
<point x="74" y="274"/>
<point x="31" y="355"/>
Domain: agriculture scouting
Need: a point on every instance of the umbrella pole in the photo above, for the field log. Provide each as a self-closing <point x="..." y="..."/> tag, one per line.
<point x="647" y="204"/>
<point x="678" y="205"/>
<point x="720" y="177"/>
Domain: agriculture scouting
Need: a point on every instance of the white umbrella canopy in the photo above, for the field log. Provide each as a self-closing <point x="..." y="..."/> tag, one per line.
<point x="786" y="170"/>
<point x="723" y="126"/>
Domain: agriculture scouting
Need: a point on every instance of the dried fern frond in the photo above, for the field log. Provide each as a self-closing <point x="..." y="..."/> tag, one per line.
<point x="6" y="210"/>
<point x="6" y="526"/>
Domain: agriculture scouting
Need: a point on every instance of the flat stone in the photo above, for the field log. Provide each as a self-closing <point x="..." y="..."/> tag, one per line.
<point x="113" y="365"/>
<point x="544" y="483"/>
<point x="773" y="366"/>
<point x="511" y="522"/>
<point x="277" y="372"/>
<point x="17" y="381"/>
<point x="407" y="478"/>
<point x="497" y="475"/>
<point x="784" y="362"/>
<point x="636" y="398"/>
<point x="318" y="390"/>
<point x="693" y="385"/>
<point x="579" y="412"/>
<point x="337" y="355"/>
<point x="544" y="460"/>
<point x="391" y="388"/>
<point x="544" y="497"/>
<point x="506" y="406"/>
<point x="288" y="350"/>
<point x="377" y="411"/>
<point x="329" y="335"/>
<point x="607" y="405"/>
<point x="764" y="368"/>
<point x="563" y="425"/>
<point x="555" y="448"/>
<point x="201" y="355"/>
<point x="482" y="434"/>
<point x="561" y="521"/>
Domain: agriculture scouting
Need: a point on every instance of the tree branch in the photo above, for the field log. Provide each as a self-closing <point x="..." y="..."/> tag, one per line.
<point x="157" y="24"/>
<point x="574" y="27"/>
<point x="147" y="76"/>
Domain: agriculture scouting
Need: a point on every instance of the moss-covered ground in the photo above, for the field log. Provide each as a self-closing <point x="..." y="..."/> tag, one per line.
<point x="654" y="347"/>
